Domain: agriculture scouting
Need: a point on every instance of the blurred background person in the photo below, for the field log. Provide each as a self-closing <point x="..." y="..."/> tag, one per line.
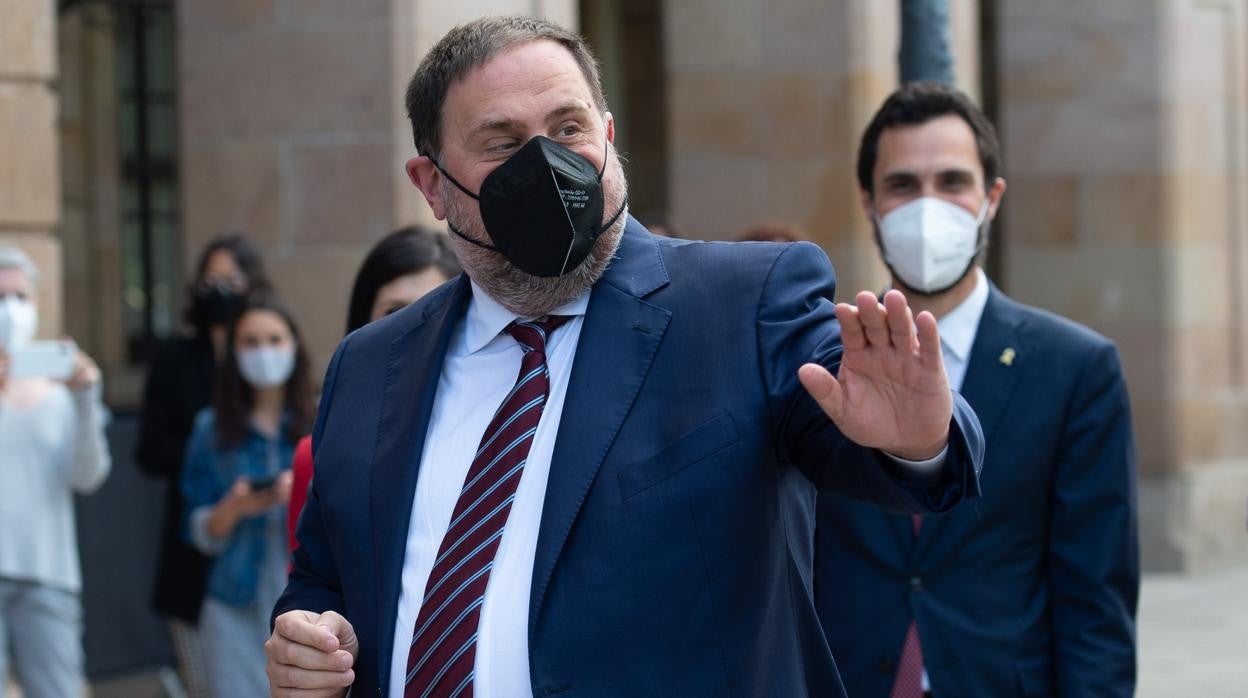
<point x="236" y="483"/>
<point x="1032" y="590"/>
<point x="400" y="269"/>
<point x="52" y="445"/>
<point x="773" y="231"/>
<point x="658" y="222"/>
<point x="179" y="385"/>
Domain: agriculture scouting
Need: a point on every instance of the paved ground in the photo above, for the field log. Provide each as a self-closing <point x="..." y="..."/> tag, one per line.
<point x="1193" y="634"/>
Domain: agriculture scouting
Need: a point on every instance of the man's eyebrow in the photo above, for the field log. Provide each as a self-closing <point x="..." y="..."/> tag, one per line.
<point x="495" y="124"/>
<point x="566" y="108"/>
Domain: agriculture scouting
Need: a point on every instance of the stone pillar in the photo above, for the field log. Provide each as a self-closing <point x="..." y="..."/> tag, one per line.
<point x="30" y="187"/>
<point x="1125" y="126"/>
<point x="293" y="130"/>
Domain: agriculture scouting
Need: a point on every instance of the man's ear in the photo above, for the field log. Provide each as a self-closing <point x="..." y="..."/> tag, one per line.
<point x="610" y="124"/>
<point x="428" y="179"/>
<point x="868" y="204"/>
<point x="994" y="197"/>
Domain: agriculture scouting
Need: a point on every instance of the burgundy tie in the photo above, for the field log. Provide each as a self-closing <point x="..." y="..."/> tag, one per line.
<point x="909" y="681"/>
<point x="442" y="656"/>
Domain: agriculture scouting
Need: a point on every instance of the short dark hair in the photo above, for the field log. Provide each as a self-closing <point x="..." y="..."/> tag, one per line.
<point x="233" y="396"/>
<point x="470" y="46"/>
<point x="245" y="256"/>
<point x="409" y="250"/>
<point x="918" y="103"/>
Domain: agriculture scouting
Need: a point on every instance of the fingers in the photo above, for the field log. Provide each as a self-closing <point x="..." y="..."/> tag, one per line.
<point x="929" y="341"/>
<point x="291" y="676"/>
<point x="872" y="316"/>
<point x="900" y="320"/>
<point x="341" y="628"/>
<point x="301" y="627"/>
<point x="852" y="336"/>
<point x="824" y="388"/>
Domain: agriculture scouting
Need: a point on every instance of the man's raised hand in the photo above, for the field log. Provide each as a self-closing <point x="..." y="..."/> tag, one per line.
<point x="891" y="392"/>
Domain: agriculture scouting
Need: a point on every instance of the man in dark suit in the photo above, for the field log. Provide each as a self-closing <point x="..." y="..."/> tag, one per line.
<point x="1032" y="590"/>
<point x="567" y="472"/>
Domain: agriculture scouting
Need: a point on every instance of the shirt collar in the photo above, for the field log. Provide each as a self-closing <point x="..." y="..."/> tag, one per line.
<point x="486" y="318"/>
<point x="958" y="326"/>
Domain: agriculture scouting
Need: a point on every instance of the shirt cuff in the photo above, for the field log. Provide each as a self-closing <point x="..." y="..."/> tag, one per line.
<point x="922" y="467"/>
<point x="200" y="536"/>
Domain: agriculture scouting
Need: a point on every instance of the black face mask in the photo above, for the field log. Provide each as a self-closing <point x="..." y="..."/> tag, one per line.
<point x="215" y="305"/>
<point x="542" y="208"/>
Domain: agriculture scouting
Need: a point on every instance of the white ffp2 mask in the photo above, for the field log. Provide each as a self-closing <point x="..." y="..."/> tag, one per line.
<point x="18" y="321"/>
<point x="930" y="243"/>
<point x="266" y="367"/>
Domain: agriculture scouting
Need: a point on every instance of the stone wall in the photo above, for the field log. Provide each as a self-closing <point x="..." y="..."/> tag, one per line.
<point x="293" y="130"/>
<point x="1123" y="128"/>
<point x="29" y="172"/>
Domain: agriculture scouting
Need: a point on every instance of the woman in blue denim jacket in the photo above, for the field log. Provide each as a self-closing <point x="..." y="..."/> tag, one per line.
<point x="236" y="487"/>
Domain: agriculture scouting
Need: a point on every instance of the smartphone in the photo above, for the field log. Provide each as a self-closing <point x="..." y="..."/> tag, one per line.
<point x="262" y="483"/>
<point x="52" y="359"/>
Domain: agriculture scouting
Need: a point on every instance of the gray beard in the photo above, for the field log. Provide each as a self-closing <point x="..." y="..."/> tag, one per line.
<point x="524" y="294"/>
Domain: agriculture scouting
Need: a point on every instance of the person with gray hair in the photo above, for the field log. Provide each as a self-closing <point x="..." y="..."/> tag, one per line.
<point x="52" y="433"/>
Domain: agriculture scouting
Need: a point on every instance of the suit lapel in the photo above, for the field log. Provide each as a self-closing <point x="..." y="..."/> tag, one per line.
<point x="997" y="361"/>
<point x="413" y="368"/>
<point x="618" y="342"/>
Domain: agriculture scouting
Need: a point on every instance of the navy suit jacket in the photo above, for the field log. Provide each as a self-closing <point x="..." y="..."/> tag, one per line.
<point x="665" y="561"/>
<point x="1030" y="591"/>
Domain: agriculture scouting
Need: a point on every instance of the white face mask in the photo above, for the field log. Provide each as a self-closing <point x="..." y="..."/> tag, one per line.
<point x="18" y="321"/>
<point x="267" y="367"/>
<point x="930" y="243"/>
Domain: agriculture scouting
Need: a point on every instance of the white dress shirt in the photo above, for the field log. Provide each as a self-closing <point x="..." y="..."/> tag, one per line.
<point x="481" y="366"/>
<point x="958" y="329"/>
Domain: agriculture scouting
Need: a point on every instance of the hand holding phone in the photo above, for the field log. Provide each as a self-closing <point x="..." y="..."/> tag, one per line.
<point x="54" y="359"/>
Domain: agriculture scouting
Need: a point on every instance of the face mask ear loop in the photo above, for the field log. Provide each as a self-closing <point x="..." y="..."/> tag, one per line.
<point x="452" y="179"/>
<point x="606" y="145"/>
<point x="981" y="234"/>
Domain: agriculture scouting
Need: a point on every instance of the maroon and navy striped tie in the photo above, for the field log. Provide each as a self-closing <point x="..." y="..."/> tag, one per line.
<point x="442" y="656"/>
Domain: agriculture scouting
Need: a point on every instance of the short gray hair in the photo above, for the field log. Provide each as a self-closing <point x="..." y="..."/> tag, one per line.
<point x="13" y="258"/>
<point x="470" y="46"/>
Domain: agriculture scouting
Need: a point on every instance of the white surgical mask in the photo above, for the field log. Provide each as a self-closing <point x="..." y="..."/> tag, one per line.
<point x="18" y="320"/>
<point x="267" y="367"/>
<point x="930" y="243"/>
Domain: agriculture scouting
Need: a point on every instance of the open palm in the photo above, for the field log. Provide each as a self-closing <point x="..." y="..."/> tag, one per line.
<point x="891" y="392"/>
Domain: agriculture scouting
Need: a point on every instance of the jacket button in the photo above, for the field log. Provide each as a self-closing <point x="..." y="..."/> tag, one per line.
<point x="916" y="584"/>
<point x="887" y="665"/>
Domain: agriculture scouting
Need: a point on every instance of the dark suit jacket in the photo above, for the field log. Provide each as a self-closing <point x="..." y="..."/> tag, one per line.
<point x="1030" y="591"/>
<point x="664" y="566"/>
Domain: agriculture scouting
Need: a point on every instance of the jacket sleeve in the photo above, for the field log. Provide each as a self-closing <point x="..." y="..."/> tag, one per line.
<point x="1094" y="569"/>
<point x="162" y="441"/>
<point x="202" y="485"/>
<point x="796" y="323"/>
<point x="314" y="584"/>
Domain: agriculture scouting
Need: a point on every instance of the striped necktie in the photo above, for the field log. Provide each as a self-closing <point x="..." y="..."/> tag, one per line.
<point x="442" y="656"/>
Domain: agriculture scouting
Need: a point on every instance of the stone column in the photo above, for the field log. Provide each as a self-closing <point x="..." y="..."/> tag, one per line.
<point x="30" y="187"/>
<point x="1124" y="128"/>
<point x="293" y="130"/>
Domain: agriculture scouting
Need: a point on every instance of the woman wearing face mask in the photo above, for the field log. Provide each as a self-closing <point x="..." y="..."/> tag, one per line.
<point x="400" y="269"/>
<point x="179" y="385"/>
<point x="236" y="486"/>
<point x="52" y="446"/>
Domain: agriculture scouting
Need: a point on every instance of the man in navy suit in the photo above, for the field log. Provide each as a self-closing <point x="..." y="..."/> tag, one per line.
<point x="568" y="471"/>
<point x="1032" y="590"/>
